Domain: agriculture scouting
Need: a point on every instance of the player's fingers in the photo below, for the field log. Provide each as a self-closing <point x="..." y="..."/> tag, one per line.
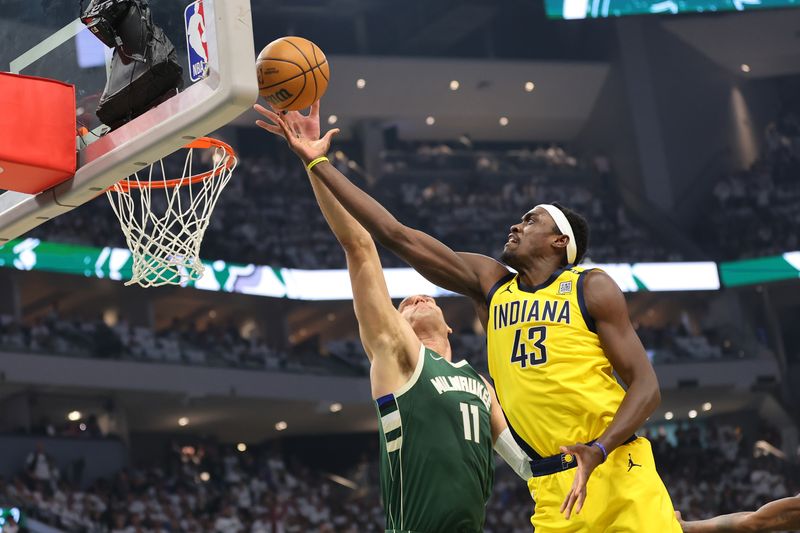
<point x="570" y="505"/>
<point x="566" y="506"/>
<point x="271" y="115"/>
<point x="314" y="110"/>
<point x="328" y="136"/>
<point x="581" y="499"/>
<point x="287" y="133"/>
<point x="263" y="110"/>
<point x="269" y="127"/>
<point x="574" y="450"/>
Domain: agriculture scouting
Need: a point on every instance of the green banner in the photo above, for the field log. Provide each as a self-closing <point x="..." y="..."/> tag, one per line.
<point x="116" y="263"/>
<point x="760" y="270"/>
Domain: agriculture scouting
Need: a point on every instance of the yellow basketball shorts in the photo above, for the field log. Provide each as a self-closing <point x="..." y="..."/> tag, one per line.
<point x="624" y="494"/>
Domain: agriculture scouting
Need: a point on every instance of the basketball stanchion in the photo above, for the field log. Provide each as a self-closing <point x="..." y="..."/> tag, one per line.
<point x="164" y="219"/>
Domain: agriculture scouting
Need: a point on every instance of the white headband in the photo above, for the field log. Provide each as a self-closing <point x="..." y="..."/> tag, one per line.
<point x="564" y="227"/>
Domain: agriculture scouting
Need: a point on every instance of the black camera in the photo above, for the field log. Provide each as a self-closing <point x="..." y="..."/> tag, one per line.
<point x="102" y="18"/>
<point x="144" y="69"/>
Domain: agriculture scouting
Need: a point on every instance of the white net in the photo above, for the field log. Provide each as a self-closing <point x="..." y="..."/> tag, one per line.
<point x="164" y="219"/>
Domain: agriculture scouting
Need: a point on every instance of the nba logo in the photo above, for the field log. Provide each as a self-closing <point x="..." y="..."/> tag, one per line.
<point x="196" y="43"/>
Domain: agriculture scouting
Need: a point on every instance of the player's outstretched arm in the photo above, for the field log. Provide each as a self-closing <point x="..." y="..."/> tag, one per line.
<point x="388" y="339"/>
<point x="780" y="515"/>
<point x="472" y="275"/>
<point x="606" y="305"/>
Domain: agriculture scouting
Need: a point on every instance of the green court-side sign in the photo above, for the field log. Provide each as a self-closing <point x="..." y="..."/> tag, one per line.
<point x="760" y="270"/>
<point x="275" y="282"/>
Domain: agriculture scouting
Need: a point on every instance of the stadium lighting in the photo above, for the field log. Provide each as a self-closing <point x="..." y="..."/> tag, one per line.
<point x="529" y="86"/>
<point x="183" y="421"/>
<point x="692" y="414"/>
<point x="430" y="121"/>
<point x="82" y="427"/>
<point x="205" y="476"/>
<point x="74" y="416"/>
<point x="280" y="426"/>
<point x="361" y="83"/>
<point x="668" y="415"/>
<point x="745" y="67"/>
<point x="454" y="85"/>
<point x="707" y="406"/>
<point x="336" y="407"/>
<point x="242" y="447"/>
<point x="333" y="119"/>
<point x="504" y="121"/>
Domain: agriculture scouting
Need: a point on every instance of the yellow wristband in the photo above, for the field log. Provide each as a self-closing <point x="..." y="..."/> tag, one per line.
<point x="316" y="162"/>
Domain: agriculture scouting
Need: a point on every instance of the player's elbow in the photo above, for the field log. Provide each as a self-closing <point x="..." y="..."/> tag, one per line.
<point x="655" y="397"/>
<point x="357" y="244"/>
<point x="752" y="522"/>
<point x="394" y="236"/>
<point x="648" y="390"/>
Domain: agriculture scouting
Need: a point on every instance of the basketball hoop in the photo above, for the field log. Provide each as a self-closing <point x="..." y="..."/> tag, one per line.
<point x="164" y="219"/>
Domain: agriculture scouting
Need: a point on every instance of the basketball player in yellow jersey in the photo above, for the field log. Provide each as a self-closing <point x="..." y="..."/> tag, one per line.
<point x="556" y="333"/>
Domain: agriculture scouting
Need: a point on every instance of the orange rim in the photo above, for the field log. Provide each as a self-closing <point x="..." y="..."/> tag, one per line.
<point x="202" y="143"/>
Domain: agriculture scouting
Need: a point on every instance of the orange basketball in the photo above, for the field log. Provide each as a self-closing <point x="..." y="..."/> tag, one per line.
<point x="292" y="73"/>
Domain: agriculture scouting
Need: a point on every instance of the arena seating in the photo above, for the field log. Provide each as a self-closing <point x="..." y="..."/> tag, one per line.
<point x="707" y="469"/>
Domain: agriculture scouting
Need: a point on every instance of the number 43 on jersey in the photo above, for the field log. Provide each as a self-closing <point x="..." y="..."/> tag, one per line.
<point x="529" y="348"/>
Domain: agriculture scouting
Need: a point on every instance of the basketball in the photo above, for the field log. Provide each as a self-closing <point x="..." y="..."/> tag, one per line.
<point x="292" y="73"/>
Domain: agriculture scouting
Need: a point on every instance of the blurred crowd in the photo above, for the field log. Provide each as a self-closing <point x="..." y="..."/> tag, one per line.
<point x="707" y="469"/>
<point x="468" y="198"/>
<point x="711" y="470"/>
<point x="756" y="212"/>
<point x="224" y="345"/>
<point x="214" y="345"/>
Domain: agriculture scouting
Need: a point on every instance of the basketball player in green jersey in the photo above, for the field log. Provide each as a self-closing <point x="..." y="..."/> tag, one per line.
<point x="439" y="420"/>
<point x="556" y="333"/>
<point x="780" y="515"/>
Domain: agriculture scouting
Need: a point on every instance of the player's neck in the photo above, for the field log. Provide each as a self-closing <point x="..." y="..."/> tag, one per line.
<point x="539" y="270"/>
<point x="438" y="343"/>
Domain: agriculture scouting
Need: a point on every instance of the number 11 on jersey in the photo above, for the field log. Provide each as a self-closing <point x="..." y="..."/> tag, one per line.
<point x="473" y="431"/>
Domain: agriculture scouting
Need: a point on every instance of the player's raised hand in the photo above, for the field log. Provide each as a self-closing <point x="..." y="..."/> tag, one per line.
<point x="589" y="457"/>
<point x="302" y="132"/>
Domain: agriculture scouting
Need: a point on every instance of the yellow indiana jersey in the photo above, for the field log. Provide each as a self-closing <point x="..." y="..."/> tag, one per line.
<point x="552" y="378"/>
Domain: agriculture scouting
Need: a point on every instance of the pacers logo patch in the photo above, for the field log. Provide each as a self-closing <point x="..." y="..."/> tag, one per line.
<point x="565" y="287"/>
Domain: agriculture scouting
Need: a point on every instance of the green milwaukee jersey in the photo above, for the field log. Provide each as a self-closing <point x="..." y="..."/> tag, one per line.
<point x="436" y="446"/>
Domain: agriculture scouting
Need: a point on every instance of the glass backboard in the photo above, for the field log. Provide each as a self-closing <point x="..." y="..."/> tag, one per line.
<point x="46" y="38"/>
